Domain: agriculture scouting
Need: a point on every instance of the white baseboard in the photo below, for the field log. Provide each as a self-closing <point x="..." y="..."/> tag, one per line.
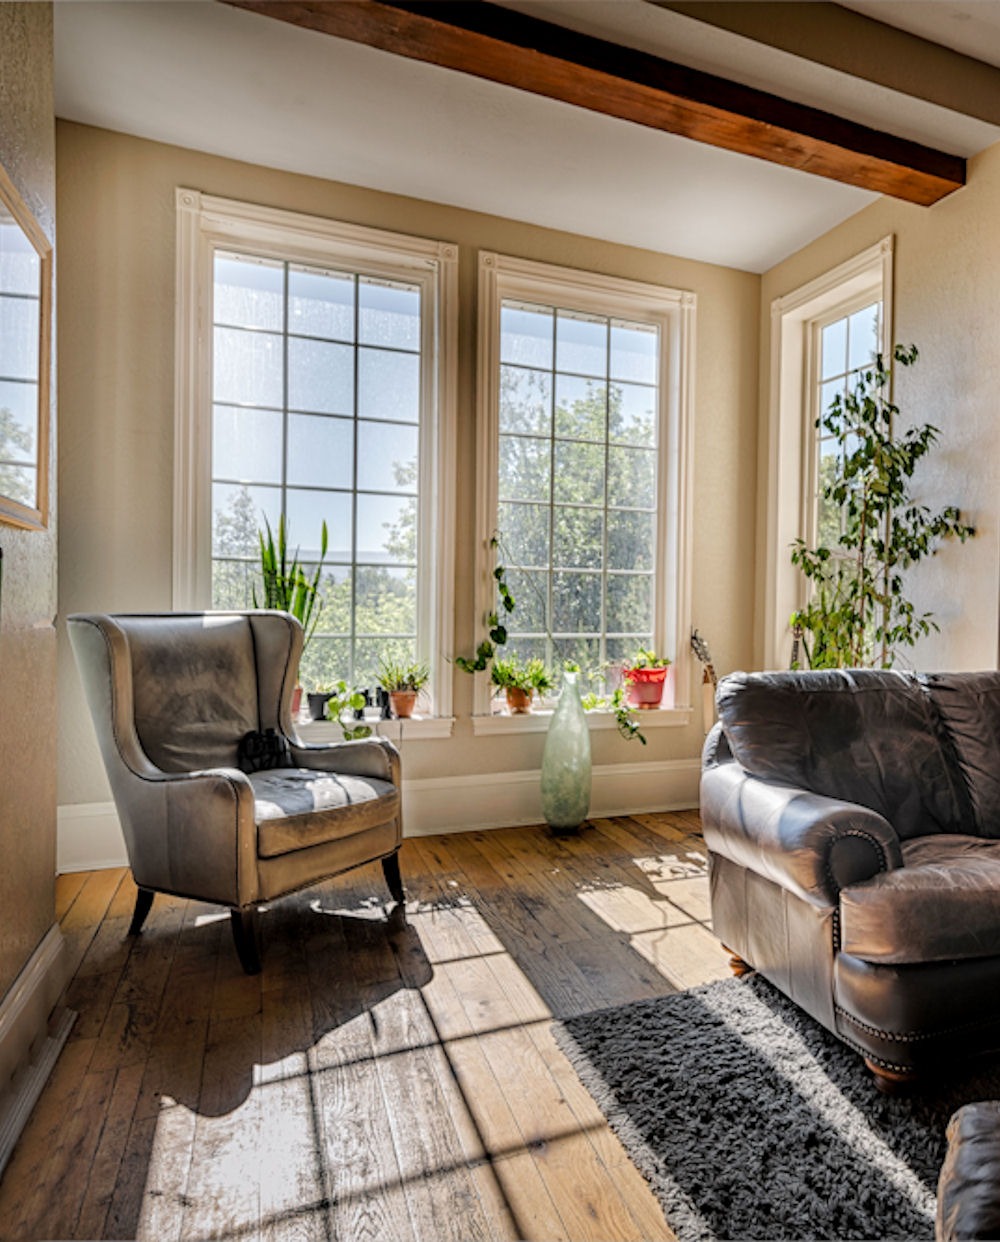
<point x="26" y="1056"/>
<point x="90" y="837"/>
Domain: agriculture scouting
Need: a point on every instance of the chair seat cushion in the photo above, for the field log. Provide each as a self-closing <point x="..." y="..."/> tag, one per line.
<point x="299" y="807"/>
<point x="943" y="904"/>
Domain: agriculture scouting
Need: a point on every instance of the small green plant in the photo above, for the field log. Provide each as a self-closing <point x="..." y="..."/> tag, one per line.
<point x="286" y="584"/>
<point x="858" y="615"/>
<point x="514" y="674"/>
<point x="644" y="658"/>
<point x="616" y="702"/>
<point x="396" y="675"/>
<point x="345" y="698"/>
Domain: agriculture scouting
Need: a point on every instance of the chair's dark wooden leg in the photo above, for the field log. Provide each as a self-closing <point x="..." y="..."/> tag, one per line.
<point x="390" y="869"/>
<point x="892" y="1082"/>
<point x="143" y="905"/>
<point x="245" y="938"/>
<point x="738" y="965"/>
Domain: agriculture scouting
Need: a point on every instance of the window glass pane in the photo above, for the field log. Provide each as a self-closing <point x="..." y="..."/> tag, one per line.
<point x="368" y="652"/>
<point x="630" y="602"/>
<point x="576" y="603"/>
<point x="20" y="266"/>
<point x="385" y="528"/>
<point x="579" y="472"/>
<point x="583" y="651"/>
<point x="526" y="336"/>
<point x="320" y="376"/>
<point x="335" y="593"/>
<point x="238" y="513"/>
<point x="320" y="451"/>
<point x="19" y="483"/>
<point x="525" y="531"/>
<point x="18" y="338"/>
<point x="579" y="538"/>
<point x="306" y="511"/>
<point x="234" y="584"/>
<point x="246" y="444"/>
<point x="525" y="400"/>
<point x="389" y="385"/>
<point x="387" y="457"/>
<point x="833" y="349"/>
<point x="530" y="593"/>
<point x="18" y="422"/>
<point x="631" y="539"/>
<point x="632" y="414"/>
<point x="386" y="601"/>
<point x="321" y="304"/>
<point x="325" y="661"/>
<point x="249" y="293"/>
<point x="389" y="314"/>
<point x="524" y="649"/>
<point x="827" y="392"/>
<point x="581" y="344"/>
<point x="247" y="368"/>
<point x="622" y="648"/>
<point x="632" y="477"/>
<point x="581" y="407"/>
<point x="862" y="337"/>
<point x="634" y="352"/>
<point x="524" y="468"/>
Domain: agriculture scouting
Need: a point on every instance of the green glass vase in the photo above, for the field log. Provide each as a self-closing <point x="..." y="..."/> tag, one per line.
<point x="566" y="762"/>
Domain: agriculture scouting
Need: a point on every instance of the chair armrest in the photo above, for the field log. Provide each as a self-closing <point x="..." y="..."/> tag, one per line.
<point x="369" y="756"/>
<point x="968" y="1203"/>
<point x="809" y="844"/>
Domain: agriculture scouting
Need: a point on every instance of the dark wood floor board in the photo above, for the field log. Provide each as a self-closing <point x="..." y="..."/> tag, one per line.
<point x="106" y="1165"/>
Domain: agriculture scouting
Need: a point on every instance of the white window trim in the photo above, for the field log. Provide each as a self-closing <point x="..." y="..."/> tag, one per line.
<point x="206" y="223"/>
<point x="503" y="277"/>
<point x="791" y="471"/>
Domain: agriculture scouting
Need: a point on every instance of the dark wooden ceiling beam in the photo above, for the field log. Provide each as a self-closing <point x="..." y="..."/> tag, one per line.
<point x="504" y="46"/>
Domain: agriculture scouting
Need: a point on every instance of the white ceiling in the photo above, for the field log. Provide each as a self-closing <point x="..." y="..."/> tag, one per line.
<point x="972" y="28"/>
<point x="203" y="75"/>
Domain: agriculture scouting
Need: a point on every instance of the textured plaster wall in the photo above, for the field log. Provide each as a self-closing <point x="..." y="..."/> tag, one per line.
<point x="27" y="609"/>
<point x="116" y="212"/>
<point x="947" y="301"/>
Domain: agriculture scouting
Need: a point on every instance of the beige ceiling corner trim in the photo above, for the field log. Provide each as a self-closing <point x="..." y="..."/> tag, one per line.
<point x="510" y="48"/>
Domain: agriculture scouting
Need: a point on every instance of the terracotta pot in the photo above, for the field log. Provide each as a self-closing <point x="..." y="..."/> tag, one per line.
<point x="519" y="701"/>
<point x="645" y="686"/>
<point x="403" y="703"/>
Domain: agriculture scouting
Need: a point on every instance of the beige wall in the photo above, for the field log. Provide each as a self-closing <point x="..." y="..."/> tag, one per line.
<point x="116" y="210"/>
<point x="947" y="301"/>
<point x="27" y="636"/>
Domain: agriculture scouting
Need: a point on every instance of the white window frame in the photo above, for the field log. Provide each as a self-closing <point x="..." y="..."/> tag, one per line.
<point x="502" y="278"/>
<point x="790" y="485"/>
<point x="206" y="224"/>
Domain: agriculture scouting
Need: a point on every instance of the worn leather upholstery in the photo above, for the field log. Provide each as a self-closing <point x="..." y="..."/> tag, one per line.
<point x="968" y="1204"/>
<point x="852" y="820"/>
<point x="170" y="697"/>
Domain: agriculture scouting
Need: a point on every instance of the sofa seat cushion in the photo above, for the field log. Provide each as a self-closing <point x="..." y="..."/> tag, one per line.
<point x="299" y="807"/>
<point x="943" y="904"/>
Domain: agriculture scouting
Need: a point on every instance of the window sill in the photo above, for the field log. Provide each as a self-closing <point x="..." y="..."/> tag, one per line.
<point x="426" y="728"/>
<point x="538" y="721"/>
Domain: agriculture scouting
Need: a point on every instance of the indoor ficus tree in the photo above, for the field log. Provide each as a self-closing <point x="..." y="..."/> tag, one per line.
<point x="857" y="615"/>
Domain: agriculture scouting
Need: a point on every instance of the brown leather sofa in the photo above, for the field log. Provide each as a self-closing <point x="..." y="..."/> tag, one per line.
<point x="853" y="826"/>
<point x="968" y="1204"/>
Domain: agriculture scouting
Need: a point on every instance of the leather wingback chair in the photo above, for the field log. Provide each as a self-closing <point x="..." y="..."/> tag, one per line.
<point x="172" y="697"/>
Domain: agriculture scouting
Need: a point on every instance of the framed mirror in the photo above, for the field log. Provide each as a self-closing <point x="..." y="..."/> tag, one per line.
<point x="25" y="351"/>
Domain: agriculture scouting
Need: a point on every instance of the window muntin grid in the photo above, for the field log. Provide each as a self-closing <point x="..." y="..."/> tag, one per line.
<point x="20" y="337"/>
<point x="316" y="413"/>
<point x="578" y="481"/>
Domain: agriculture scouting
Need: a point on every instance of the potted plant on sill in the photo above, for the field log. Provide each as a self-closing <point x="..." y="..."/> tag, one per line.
<point x="646" y="676"/>
<point x="402" y="682"/>
<point x="340" y="699"/>
<point x="520" y="680"/>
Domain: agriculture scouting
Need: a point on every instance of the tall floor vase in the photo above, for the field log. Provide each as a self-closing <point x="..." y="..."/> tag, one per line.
<point x="566" y="762"/>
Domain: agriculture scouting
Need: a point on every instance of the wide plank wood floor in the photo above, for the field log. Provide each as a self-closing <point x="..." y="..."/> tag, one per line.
<point x="383" y="1078"/>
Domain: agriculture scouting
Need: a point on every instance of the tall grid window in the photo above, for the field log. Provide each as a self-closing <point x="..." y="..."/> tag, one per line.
<point x="317" y="402"/>
<point x="20" y="317"/>
<point x="847" y="345"/>
<point x="578" y="481"/>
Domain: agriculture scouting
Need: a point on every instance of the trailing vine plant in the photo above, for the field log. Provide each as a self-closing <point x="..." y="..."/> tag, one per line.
<point x="858" y="615"/>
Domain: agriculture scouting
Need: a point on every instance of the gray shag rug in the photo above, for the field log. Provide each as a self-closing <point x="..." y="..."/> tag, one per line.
<point x="749" y="1120"/>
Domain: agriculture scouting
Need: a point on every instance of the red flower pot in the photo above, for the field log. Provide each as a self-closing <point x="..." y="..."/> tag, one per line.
<point x="645" y="686"/>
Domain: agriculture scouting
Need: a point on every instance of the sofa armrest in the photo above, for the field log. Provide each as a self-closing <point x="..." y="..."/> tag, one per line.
<point x="969" y="1186"/>
<point x="809" y="844"/>
<point x="369" y="756"/>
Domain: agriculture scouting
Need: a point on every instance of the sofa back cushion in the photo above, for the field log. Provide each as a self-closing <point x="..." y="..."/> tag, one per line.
<point x="862" y="735"/>
<point x="969" y="707"/>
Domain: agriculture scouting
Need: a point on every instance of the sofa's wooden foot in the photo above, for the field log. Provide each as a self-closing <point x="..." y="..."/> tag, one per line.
<point x="245" y="938"/>
<point x="738" y="965"/>
<point x="390" y="869"/>
<point x="891" y="1082"/>
<point x="143" y="905"/>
